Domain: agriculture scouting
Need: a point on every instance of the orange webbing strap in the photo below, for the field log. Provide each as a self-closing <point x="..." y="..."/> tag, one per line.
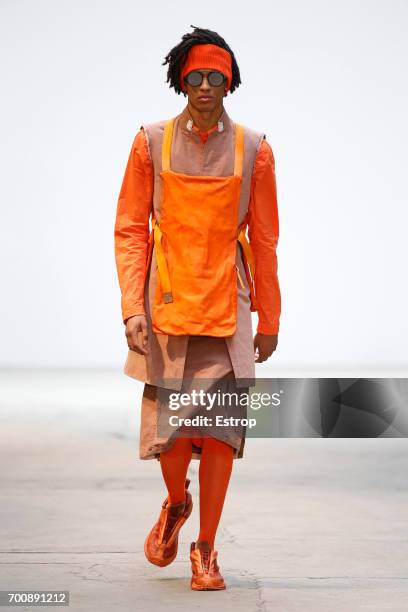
<point x="160" y="256"/>
<point x="166" y="146"/>
<point x="247" y="251"/>
<point x="249" y="262"/>
<point x="149" y="251"/>
<point x="239" y="150"/>
<point x="162" y="264"/>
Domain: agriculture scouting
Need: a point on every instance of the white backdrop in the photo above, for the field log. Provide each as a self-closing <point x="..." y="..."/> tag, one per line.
<point x="327" y="83"/>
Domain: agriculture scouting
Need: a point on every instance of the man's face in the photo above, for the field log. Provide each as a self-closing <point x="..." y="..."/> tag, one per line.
<point x="205" y="97"/>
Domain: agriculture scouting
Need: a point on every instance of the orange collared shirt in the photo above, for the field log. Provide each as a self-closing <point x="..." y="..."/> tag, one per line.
<point x="203" y="134"/>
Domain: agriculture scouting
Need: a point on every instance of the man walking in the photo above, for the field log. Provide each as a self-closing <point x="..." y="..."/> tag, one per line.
<point x="190" y="283"/>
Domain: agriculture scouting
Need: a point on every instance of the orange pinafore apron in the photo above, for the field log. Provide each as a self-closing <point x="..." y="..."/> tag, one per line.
<point x="196" y="242"/>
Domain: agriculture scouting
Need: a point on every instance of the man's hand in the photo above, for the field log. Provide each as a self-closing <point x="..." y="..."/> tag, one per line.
<point x="135" y="325"/>
<point x="266" y="345"/>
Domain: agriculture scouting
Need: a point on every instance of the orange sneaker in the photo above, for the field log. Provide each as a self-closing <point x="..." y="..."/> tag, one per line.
<point x="161" y="544"/>
<point x="206" y="573"/>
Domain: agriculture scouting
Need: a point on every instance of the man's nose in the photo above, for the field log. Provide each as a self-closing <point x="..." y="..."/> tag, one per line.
<point x="205" y="84"/>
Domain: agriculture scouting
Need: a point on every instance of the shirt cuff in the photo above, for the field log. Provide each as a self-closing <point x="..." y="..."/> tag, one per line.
<point x="132" y="313"/>
<point x="268" y="329"/>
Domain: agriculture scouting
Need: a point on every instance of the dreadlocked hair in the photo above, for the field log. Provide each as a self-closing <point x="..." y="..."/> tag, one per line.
<point x="176" y="58"/>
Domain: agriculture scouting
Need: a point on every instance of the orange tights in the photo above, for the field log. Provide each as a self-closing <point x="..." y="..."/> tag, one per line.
<point x="214" y="475"/>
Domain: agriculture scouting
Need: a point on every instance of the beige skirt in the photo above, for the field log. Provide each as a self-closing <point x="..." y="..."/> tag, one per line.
<point x="207" y="359"/>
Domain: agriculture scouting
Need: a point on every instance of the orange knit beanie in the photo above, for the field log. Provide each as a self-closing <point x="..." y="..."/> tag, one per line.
<point x="207" y="56"/>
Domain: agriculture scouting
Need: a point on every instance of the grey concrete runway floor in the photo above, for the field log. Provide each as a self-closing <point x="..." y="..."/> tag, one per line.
<point x="308" y="524"/>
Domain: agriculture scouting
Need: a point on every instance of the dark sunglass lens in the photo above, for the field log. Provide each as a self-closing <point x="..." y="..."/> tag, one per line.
<point x="216" y="79"/>
<point x="194" y="78"/>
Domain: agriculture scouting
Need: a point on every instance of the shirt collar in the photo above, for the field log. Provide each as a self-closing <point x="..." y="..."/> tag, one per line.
<point x="186" y="122"/>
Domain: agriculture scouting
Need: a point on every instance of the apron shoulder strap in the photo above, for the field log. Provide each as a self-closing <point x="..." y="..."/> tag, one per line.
<point x="239" y="150"/>
<point x="166" y="148"/>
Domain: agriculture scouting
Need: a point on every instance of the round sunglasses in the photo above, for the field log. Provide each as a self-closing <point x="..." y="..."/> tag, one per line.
<point x="214" y="78"/>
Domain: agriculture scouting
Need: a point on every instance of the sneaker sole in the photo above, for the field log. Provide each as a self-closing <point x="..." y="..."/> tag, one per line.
<point x="195" y="587"/>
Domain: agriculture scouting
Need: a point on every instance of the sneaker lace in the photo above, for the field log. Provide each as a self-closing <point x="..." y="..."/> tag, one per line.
<point x="205" y="556"/>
